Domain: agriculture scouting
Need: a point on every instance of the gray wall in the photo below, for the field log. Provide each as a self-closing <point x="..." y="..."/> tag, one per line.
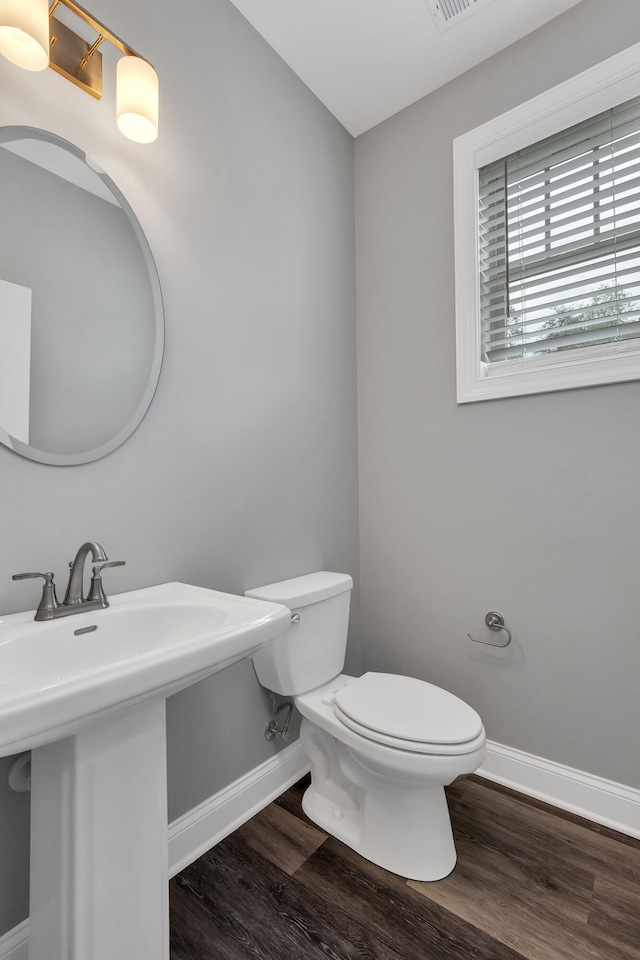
<point x="244" y="470"/>
<point x="528" y="506"/>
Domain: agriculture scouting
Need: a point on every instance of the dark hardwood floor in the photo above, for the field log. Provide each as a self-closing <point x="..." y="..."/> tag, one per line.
<point x="531" y="883"/>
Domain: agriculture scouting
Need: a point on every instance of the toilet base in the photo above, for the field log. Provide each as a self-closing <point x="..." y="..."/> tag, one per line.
<point x="403" y="827"/>
<point x="423" y="851"/>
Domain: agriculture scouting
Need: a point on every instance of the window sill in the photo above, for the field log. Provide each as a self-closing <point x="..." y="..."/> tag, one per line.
<point x="515" y="378"/>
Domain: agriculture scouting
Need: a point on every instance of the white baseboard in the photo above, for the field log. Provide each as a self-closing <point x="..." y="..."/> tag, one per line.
<point x="204" y="826"/>
<point x="603" y="801"/>
<point x="15" y="944"/>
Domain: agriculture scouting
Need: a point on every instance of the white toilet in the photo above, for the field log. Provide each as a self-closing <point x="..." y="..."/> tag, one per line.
<point x="381" y="746"/>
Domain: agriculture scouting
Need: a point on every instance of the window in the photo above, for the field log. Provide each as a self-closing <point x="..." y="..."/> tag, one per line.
<point x="552" y="224"/>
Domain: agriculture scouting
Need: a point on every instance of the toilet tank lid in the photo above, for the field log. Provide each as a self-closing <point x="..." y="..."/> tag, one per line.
<point x="301" y="591"/>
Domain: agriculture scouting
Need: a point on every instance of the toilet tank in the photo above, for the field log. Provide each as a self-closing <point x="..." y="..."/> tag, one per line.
<point x="312" y="650"/>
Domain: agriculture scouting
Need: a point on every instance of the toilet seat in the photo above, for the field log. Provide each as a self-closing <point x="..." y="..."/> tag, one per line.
<point x="408" y="714"/>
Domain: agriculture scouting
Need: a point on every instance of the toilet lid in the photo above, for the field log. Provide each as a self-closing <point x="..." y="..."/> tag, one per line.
<point x="404" y="708"/>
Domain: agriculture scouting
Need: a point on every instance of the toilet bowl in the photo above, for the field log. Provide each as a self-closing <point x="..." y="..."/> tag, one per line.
<point x="381" y="747"/>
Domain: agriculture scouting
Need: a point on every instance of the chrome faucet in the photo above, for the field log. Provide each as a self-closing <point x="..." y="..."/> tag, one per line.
<point x="74" y="601"/>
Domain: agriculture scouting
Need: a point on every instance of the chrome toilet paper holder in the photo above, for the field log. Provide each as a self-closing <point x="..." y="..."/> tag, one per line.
<point x="495" y="621"/>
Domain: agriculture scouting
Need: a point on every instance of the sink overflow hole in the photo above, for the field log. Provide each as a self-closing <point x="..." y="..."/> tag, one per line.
<point x="77" y="633"/>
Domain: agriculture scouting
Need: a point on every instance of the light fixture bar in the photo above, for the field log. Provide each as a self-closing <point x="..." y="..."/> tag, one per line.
<point x="97" y="26"/>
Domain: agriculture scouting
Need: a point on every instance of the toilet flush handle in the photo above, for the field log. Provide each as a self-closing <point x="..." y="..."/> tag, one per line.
<point x="295" y="618"/>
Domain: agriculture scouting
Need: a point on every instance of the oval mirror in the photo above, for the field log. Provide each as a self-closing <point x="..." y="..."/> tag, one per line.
<point x="81" y="318"/>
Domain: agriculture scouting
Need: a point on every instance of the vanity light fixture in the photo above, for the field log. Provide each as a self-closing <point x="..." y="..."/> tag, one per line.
<point x="33" y="38"/>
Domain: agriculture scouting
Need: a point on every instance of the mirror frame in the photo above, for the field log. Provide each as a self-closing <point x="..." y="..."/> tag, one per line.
<point x="7" y="134"/>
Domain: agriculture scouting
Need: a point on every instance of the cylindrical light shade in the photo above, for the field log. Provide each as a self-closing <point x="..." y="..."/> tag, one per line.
<point x="24" y="33"/>
<point x="137" y="99"/>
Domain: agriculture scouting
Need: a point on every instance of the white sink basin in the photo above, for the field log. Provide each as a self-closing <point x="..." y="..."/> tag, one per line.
<point x="149" y="642"/>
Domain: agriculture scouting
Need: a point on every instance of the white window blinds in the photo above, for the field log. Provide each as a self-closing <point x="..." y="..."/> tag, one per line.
<point x="559" y="240"/>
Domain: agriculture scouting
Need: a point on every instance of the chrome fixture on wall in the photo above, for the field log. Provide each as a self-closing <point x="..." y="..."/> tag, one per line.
<point x="32" y="38"/>
<point x="495" y="622"/>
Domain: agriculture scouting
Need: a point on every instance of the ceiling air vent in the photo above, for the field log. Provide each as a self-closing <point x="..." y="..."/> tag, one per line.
<point x="448" y="12"/>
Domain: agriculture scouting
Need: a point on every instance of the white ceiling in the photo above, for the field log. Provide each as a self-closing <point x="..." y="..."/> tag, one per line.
<point x="367" y="59"/>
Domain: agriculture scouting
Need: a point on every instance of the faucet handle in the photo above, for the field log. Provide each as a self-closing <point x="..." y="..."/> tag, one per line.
<point x="47" y="577"/>
<point x="96" y="590"/>
<point x="49" y="601"/>
<point x="97" y="567"/>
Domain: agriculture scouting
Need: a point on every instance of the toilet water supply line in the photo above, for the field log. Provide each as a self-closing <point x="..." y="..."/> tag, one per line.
<point x="273" y="731"/>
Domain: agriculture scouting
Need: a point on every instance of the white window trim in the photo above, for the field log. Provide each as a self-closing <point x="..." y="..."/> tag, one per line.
<point x="597" y="89"/>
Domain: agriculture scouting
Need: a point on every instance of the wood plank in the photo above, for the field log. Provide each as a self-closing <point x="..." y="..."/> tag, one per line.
<point x="505" y="843"/>
<point x="615" y="914"/>
<point x="281" y="837"/>
<point x="388" y="908"/>
<point x="525" y="828"/>
<point x="232" y="904"/>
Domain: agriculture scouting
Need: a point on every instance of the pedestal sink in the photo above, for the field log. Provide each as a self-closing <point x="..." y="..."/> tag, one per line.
<point x="86" y="695"/>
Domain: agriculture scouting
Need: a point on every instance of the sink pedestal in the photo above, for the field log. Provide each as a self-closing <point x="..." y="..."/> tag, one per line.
<point x="99" y="853"/>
